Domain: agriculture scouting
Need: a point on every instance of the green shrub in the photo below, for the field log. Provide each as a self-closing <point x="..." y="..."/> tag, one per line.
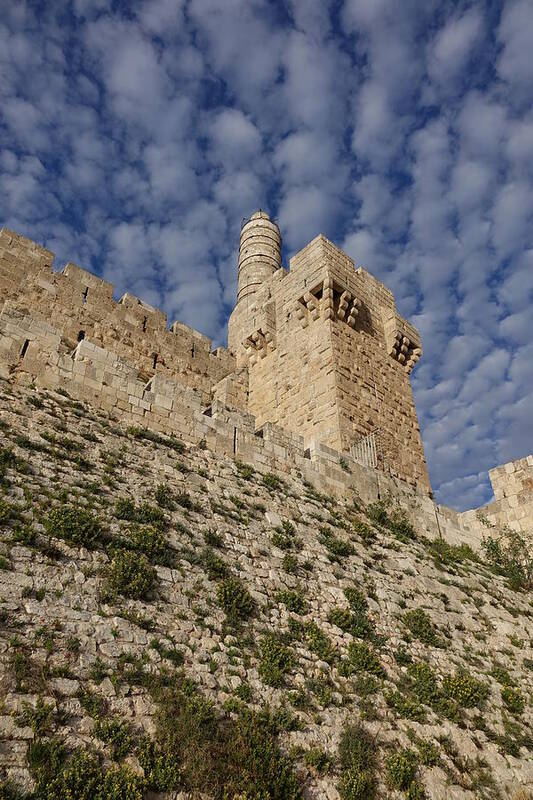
<point x="8" y="460"/>
<point x="164" y="498"/>
<point x="145" y="514"/>
<point x="513" y="700"/>
<point x="357" y="760"/>
<point x="151" y="436"/>
<point x="450" y="554"/>
<point x="215" y="566"/>
<point x="468" y="692"/>
<point x="290" y="563"/>
<point x="235" y="599"/>
<point x="318" y="642"/>
<point x="117" y="734"/>
<point x="219" y="756"/>
<point x="428" y="752"/>
<point x="511" y="554"/>
<point x="272" y="482"/>
<point x="317" y="760"/>
<point x="293" y="600"/>
<point x="276" y="659"/>
<point x="245" y="471"/>
<point x="356" y="599"/>
<point x="425" y="685"/>
<point x="358" y="624"/>
<point x="401" y="769"/>
<point x="366" y="532"/>
<point x="75" y="525"/>
<point x="406" y="706"/>
<point x="80" y="776"/>
<point x="39" y="718"/>
<point x="150" y="541"/>
<point x="421" y="626"/>
<point x="396" y="521"/>
<point x="337" y="548"/>
<point x="130" y="575"/>
<point x="364" y="658"/>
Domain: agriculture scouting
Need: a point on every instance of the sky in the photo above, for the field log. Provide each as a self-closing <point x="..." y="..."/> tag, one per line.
<point x="134" y="137"/>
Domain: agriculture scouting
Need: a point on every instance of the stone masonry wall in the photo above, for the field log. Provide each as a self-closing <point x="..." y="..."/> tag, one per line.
<point x="82" y="305"/>
<point x="513" y="499"/>
<point x="437" y="670"/>
<point x="110" y="382"/>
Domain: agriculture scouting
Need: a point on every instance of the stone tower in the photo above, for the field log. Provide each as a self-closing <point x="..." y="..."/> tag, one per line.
<point x="327" y="355"/>
<point x="259" y="259"/>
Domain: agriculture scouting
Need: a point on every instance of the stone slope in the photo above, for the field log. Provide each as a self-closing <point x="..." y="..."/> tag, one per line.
<point x="261" y="591"/>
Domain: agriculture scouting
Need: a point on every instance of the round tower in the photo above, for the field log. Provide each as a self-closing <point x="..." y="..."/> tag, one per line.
<point x="259" y="253"/>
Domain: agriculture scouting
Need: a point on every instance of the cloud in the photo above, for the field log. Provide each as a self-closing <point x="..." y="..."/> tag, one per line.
<point x="453" y="47"/>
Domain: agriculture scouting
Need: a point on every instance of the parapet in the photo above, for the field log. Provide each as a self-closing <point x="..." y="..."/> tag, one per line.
<point x="81" y="306"/>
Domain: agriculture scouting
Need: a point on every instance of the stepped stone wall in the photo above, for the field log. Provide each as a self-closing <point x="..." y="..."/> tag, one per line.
<point x="77" y="666"/>
<point x="315" y="362"/>
<point x="81" y="305"/>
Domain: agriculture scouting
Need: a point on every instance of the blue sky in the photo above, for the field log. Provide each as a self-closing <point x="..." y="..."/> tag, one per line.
<point x="135" y="136"/>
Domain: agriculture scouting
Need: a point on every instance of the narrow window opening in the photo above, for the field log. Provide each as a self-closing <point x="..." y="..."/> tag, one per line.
<point x="81" y="336"/>
<point x="144" y="325"/>
<point x="234" y="440"/>
<point x="84" y="295"/>
<point x="24" y="348"/>
<point x="155" y="360"/>
<point x="192" y="351"/>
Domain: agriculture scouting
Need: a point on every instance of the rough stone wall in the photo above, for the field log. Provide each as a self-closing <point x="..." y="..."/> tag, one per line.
<point x="65" y="649"/>
<point x="513" y="499"/>
<point x="109" y="382"/>
<point x="82" y="305"/>
<point x="323" y="348"/>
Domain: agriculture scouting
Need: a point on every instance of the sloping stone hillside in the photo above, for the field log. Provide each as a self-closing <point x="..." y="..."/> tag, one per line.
<point x="177" y="625"/>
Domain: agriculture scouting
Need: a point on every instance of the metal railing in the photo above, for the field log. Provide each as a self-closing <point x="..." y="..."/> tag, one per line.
<point x="367" y="451"/>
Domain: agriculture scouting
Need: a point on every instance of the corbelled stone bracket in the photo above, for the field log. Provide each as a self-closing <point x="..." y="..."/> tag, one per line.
<point x="328" y="302"/>
<point x="258" y="345"/>
<point x="405" y="351"/>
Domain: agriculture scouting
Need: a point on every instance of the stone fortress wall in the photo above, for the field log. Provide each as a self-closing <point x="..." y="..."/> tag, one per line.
<point x="201" y="395"/>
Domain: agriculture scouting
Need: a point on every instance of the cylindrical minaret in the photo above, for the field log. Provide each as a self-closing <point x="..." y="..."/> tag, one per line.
<point x="259" y="253"/>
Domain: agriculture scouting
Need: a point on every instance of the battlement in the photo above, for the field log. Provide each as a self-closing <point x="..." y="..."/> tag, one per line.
<point x="81" y="306"/>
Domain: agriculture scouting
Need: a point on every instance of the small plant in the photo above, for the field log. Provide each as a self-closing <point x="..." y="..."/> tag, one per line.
<point x="75" y="525"/>
<point x="357" y="758"/>
<point x="513" y="700"/>
<point x="401" y="769"/>
<point x="235" y="599"/>
<point x="215" y="566"/>
<point x="156" y="438"/>
<point x="164" y="498"/>
<point x="510" y="554"/>
<point x="317" y="760"/>
<point x="272" y="482"/>
<point x="293" y="600"/>
<point x="363" y="658"/>
<point x="275" y="659"/>
<point x="245" y="471"/>
<point x="130" y="575"/>
<point x="337" y="548"/>
<point x="290" y="563"/>
<point x="421" y="626"/>
<point x="117" y="734"/>
<point x="468" y="692"/>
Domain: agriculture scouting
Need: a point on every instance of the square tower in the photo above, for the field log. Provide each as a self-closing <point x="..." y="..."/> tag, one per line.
<point x="329" y="358"/>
